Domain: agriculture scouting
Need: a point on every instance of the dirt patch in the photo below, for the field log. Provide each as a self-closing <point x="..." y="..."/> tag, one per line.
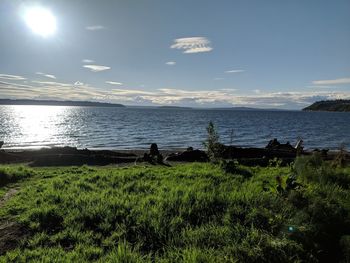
<point x="11" y="233"/>
<point x="8" y="195"/>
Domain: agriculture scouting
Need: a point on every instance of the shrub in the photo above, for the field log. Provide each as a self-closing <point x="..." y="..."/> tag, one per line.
<point x="314" y="169"/>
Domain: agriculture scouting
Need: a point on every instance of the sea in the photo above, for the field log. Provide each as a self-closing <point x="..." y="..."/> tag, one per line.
<point x="129" y="128"/>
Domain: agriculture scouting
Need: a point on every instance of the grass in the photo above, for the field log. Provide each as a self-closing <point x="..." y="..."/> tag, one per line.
<point x="186" y="213"/>
<point x="11" y="174"/>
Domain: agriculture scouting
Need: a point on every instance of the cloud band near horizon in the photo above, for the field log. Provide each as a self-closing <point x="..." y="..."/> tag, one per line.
<point x="165" y="96"/>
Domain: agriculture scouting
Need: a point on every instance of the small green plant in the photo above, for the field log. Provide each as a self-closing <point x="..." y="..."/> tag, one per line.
<point x="340" y="158"/>
<point x="275" y="162"/>
<point x="212" y="144"/>
<point x="231" y="137"/>
<point x="228" y="166"/>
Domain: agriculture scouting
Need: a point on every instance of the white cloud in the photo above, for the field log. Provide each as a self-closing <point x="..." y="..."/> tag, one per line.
<point x="96" y="68"/>
<point x="171" y="63"/>
<point x="78" y="83"/>
<point x="198" y="50"/>
<point x="46" y="75"/>
<point x="257" y="91"/>
<point x="50" y="76"/>
<point x="229" y="89"/>
<point x="114" y="83"/>
<point x="332" y="81"/>
<point x="192" y="44"/>
<point x="94" y="27"/>
<point x="11" y="77"/>
<point x="235" y="71"/>
<point x="87" y="61"/>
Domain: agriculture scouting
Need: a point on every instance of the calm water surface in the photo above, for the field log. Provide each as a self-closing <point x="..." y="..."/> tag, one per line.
<point x="136" y="128"/>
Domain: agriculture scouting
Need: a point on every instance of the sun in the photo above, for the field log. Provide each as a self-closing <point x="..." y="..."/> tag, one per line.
<point x="40" y="20"/>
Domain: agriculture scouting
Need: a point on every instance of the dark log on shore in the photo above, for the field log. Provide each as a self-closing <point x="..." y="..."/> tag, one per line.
<point x="65" y="156"/>
<point x="232" y="152"/>
<point x="9" y="158"/>
<point x="78" y="159"/>
<point x="263" y="162"/>
<point x="189" y="155"/>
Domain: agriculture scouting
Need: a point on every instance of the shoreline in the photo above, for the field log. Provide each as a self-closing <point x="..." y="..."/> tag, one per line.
<point x="72" y="156"/>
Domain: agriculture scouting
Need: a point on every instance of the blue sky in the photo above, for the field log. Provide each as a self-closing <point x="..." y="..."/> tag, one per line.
<point x="266" y="54"/>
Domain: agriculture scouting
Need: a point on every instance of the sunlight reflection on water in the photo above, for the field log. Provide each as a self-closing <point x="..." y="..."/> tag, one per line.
<point x="33" y="125"/>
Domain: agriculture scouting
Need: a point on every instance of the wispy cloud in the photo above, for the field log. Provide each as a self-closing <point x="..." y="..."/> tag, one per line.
<point x="318" y="87"/>
<point x="88" y="61"/>
<point x="192" y="44"/>
<point x="49" y="90"/>
<point x="94" y="27"/>
<point x="96" y="68"/>
<point x="332" y="81"/>
<point x="235" y="71"/>
<point x="170" y="63"/>
<point x="46" y="75"/>
<point x="51" y="83"/>
<point x="114" y="83"/>
<point x="11" y="77"/>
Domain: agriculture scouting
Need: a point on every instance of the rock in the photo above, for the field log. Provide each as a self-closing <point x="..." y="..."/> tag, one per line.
<point x="276" y="145"/>
<point x="188" y="156"/>
<point x="273" y="144"/>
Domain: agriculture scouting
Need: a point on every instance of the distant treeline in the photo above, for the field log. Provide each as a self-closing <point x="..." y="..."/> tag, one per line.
<point x="58" y="103"/>
<point x="329" y="105"/>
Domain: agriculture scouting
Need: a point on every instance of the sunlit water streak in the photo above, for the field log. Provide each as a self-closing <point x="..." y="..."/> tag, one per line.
<point x="136" y="128"/>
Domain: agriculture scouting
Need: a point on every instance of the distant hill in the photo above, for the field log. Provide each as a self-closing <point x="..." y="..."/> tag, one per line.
<point x="174" y="107"/>
<point x="248" y="109"/>
<point x="58" y="103"/>
<point x="329" y="105"/>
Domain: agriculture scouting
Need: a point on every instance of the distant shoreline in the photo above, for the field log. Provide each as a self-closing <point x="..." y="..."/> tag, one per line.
<point x="5" y="102"/>
<point x="57" y="103"/>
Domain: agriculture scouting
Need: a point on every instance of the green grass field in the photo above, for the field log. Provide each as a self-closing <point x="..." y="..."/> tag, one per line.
<point x="185" y="213"/>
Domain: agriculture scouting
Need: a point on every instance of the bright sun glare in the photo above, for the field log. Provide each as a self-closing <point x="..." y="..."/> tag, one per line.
<point x="41" y="21"/>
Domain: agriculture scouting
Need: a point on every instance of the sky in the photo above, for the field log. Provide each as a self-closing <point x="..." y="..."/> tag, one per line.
<point x="199" y="53"/>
